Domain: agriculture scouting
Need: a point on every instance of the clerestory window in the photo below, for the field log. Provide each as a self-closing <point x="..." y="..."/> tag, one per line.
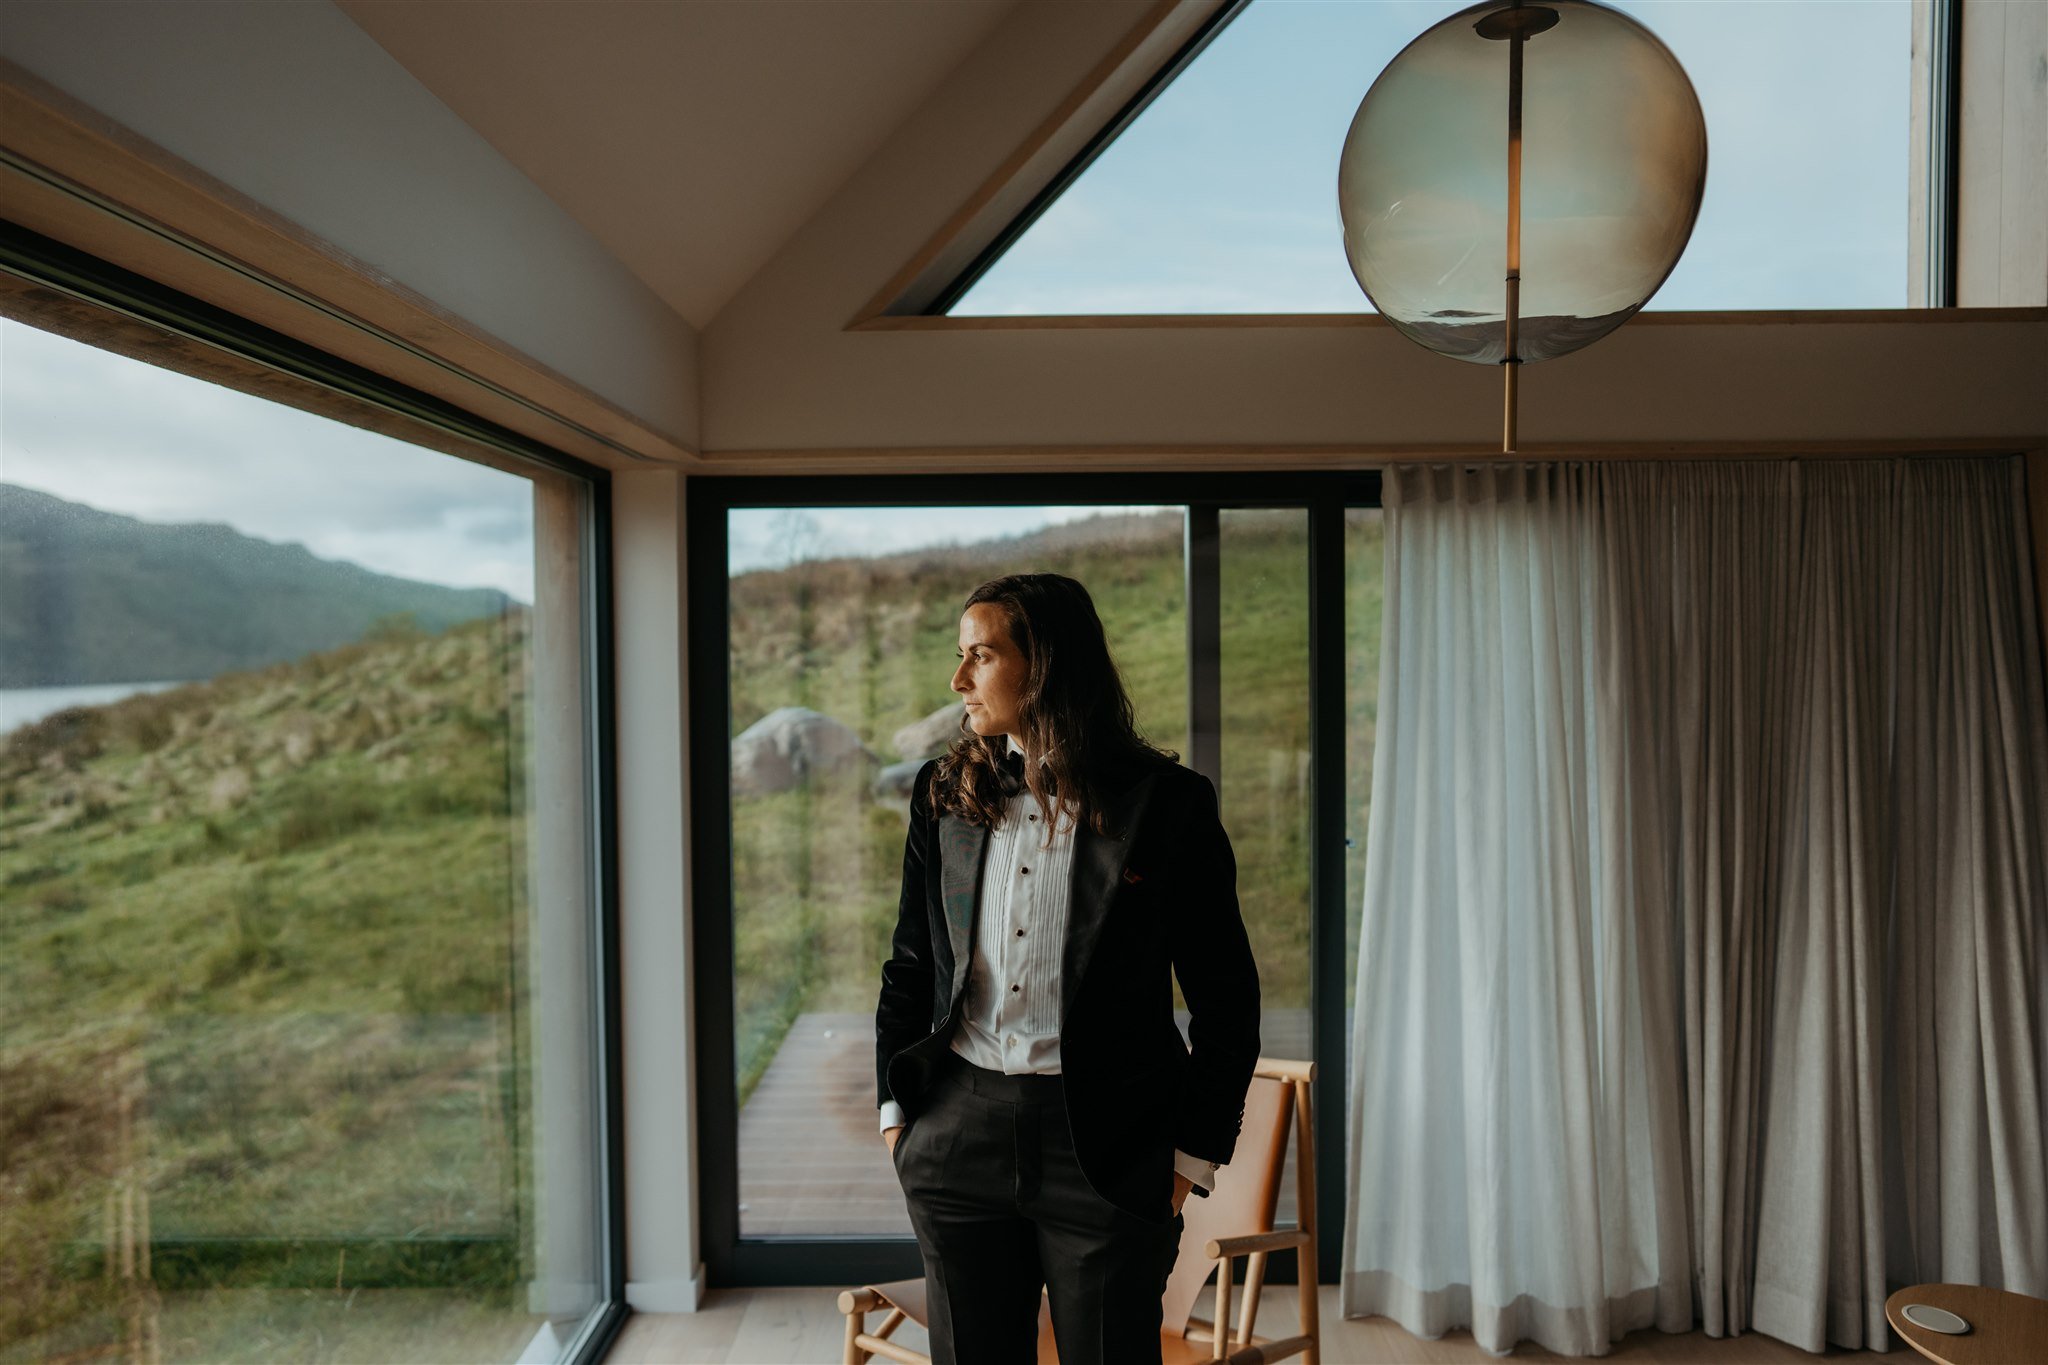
<point x="1220" y="197"/>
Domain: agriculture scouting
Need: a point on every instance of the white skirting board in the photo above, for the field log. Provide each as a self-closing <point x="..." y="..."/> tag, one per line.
<point x="667" y="1296"/>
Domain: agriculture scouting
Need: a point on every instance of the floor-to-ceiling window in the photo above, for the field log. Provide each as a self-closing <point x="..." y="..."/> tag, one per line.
<point x="824" y="619"/>
<point x="301" y="927"/>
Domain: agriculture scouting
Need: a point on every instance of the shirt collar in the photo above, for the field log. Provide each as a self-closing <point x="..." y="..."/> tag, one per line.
<point x="1015" y="748"/>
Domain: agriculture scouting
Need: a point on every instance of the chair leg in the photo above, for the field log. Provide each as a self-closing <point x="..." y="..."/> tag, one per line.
<point x="853" y="1354"/>
<point x="1219" y="1336"/>
<point x="1311" y="1326"/>
<point x="1305" y="1200"/>
<point x="1254" y="1281"/>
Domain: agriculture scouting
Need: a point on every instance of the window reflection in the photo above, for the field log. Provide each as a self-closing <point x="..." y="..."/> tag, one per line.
<point x="295" y="1015"/>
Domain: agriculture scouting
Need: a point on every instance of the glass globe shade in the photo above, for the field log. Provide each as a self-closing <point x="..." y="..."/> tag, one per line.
<point x="1614" y="162"/>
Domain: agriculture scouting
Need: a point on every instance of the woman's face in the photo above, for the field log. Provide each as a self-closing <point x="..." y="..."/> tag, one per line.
<point x="992" y="672"/>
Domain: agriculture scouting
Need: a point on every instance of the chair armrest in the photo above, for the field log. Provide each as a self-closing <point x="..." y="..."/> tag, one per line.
<point x="859" y="1301"/>
<point x="1219" y="1247"/>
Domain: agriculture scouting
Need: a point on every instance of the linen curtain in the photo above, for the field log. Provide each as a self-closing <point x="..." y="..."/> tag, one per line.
<point x="1704" y="909"/>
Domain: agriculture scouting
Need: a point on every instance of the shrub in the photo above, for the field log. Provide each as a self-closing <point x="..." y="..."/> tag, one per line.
<point x="397" y="627"/>
<point x="472" y="984"/>
<point x="252" y="934"/>
<point x="62" y="900"/>
<point x="143" y="721"/>
<point x="311" y="810"/>
<point x="75" y="733"/>
<point x="58" y="1131"/>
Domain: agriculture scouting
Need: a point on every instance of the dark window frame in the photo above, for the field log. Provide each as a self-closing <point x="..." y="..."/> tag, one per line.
<point x="731" y="1260"/>
<point x="281" y="369"/>
<point x="1944" y="152"/>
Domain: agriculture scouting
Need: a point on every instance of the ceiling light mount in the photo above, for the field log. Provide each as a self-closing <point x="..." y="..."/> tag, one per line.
<point x="1516" y="21"/>
<point x="1511" y="245"/>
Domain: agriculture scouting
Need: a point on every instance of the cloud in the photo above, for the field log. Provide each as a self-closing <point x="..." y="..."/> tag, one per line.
<point x="124" y="436"/>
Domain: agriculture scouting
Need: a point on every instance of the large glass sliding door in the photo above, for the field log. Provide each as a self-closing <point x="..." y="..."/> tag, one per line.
<point x="823" y="642"/>
<point x="302" y="967"/>
<point x="841" y="648"/>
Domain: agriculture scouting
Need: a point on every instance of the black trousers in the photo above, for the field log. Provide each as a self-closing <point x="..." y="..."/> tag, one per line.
<point x="1000" y="1208"/>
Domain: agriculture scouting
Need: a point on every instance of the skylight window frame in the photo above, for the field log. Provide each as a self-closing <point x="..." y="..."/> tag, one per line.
<point x="1077" y="166"/>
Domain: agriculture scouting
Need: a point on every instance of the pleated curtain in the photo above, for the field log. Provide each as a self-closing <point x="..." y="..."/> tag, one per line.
<point x="1701" y="966"/>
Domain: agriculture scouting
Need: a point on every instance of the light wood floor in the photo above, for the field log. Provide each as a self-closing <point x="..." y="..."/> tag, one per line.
<point x="799" y="1326"/>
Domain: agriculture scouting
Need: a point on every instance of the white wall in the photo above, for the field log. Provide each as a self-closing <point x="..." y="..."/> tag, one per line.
<point x="664" y="1258"/>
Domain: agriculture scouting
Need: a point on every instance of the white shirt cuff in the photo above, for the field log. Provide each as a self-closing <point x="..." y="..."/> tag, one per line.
<point x="892" y="1115"/>
<point x="1198" y="1171"/>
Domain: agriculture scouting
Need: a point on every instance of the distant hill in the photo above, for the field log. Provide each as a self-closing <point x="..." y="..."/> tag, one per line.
<point x="88" y="596"/>
<point x="1017" y="552"/>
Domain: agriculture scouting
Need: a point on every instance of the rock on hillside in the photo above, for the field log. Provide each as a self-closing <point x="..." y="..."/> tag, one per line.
<point x="787" y="747"/>
<point x="893" y="785"/>
<point x="928" y="738"/>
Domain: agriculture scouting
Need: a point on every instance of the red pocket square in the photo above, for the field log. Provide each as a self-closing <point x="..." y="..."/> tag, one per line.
<point x="1132" y="877"/>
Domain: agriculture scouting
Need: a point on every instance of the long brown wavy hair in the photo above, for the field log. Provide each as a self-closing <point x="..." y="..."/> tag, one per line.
<point x="1075" y="711"/>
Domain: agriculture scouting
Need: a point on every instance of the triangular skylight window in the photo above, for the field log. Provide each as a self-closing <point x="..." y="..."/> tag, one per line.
<point x="1220" y="197"/>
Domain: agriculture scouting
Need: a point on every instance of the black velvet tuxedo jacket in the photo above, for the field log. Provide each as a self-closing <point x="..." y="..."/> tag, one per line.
<point x="1156" y="894"/>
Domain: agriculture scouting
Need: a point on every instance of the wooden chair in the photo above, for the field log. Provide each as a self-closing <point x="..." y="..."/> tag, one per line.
<point x="1235" y="1220"/>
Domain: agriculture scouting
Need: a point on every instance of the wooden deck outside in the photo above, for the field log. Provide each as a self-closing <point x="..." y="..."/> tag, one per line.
<point x="812" y="1162"/>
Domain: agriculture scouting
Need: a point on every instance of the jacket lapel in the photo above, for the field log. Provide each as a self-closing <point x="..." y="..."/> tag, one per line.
<point x="1098" y="869"/>
<point x="962" y="847"/>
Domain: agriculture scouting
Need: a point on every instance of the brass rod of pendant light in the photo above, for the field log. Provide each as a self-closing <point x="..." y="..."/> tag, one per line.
<point x="1511" y="363"/>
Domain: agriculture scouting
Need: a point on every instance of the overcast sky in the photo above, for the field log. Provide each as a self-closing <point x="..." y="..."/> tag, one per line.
<point x="1222" y="196"/>
<point x="123" y="436"/>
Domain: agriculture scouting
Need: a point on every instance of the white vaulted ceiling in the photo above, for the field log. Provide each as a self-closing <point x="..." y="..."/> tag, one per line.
<point x="690" y="137"/>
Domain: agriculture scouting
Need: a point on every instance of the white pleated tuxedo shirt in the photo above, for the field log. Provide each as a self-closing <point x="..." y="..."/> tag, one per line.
<point x="1010" y="1014"/>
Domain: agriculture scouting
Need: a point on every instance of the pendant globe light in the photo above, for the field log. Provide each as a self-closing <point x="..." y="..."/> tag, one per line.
<point x="1520" y="180"/>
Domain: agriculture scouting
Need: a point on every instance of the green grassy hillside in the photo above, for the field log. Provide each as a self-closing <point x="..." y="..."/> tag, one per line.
<point x="279" y="915"/>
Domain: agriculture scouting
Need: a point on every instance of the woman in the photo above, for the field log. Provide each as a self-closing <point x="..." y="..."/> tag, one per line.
<point x="1045" y="1117"/>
